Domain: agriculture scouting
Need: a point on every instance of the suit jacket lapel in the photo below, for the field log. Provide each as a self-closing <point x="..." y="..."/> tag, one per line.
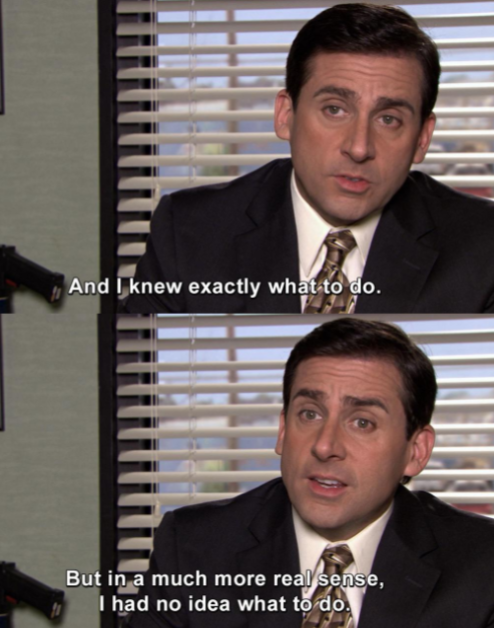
<point x="273" y="551"/>
<point x="267" y="251"/>
<point x="405" y="563"/>
<point x="402" y="253"/>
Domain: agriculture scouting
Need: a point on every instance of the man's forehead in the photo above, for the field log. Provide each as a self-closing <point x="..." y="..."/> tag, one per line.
<point x="353" y="71"/>
<point x="373" y="373"/>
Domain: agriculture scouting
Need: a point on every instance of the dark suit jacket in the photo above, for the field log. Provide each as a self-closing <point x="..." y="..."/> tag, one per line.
<point x="436" y="562"/>
<point x="432" y="251"/>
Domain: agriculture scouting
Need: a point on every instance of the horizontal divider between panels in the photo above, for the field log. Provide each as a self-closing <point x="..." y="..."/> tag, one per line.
<point x="143" y="433"/>
<point x="185" y="321"/>
<point x="132" y="6"/>
<point x="193" y="455"/>
<point x="130" y="29"/>
<point x="272" y="342"/>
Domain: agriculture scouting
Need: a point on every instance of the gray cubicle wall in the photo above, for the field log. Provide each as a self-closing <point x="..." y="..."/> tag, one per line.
<point x="49" y="209"/>
<point x="49" y="155"/>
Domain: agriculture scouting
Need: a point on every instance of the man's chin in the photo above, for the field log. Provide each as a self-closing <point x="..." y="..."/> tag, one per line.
<point x="345" y="214"/>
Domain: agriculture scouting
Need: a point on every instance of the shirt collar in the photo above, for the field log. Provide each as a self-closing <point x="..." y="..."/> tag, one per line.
<point x="363" y="545"/>
<point x="312" y="230"/>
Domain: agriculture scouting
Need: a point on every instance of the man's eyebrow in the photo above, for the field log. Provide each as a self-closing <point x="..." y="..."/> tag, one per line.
<point x="361" y="402"/>
<point x="338" y="91"/>
<point x="310" y="393"/>
<point x="389" y="103"/>
<point x="384" y="102"/>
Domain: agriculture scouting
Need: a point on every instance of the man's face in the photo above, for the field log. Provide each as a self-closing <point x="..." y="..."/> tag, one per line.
<point x="355" y="132"/>
<point x="343" y="443"/>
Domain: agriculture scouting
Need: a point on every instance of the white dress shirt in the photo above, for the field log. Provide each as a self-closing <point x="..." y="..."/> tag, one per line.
<point x="363" y="547"/>
<point x="312" y="230"/>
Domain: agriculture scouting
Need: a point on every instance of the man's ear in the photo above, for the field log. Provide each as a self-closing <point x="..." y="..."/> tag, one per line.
<point x="425" y="138"/>
<point x="281" y="434"/>
<point x="421" y="445"/>
<point x="283" y="115"/>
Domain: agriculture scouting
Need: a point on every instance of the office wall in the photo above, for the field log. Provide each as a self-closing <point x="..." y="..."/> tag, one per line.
<point x="49" y="457"/>
<point x="49" y="209"/>
<point x="49" y="191"/>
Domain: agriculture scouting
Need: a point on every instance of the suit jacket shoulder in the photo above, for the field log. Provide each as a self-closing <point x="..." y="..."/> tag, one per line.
<point x="436" y="242"/>
<point x="243" y="230"/>
<point x="434" y="562"/>
<point x="250" y="534"/>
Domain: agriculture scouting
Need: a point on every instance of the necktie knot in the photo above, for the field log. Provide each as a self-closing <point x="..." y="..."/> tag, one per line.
<point x="343" y="241"/>
<point x="340" y="557"/>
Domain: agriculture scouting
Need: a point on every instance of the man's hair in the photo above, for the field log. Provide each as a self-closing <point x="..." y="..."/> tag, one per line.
<point x="372" y="340"/>
<point x="369" y="30"/>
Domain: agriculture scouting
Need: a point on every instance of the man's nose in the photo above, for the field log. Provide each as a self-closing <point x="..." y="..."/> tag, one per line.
<point x="359" y="142"/>
<point x="329" y="441"/>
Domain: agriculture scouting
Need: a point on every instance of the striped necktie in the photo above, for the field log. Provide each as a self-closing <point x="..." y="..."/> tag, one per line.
<point x="336" y="560"/>
<point x="338" y="246"/>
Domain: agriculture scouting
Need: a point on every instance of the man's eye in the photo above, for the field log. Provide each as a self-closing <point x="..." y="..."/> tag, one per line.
<point x="364" y="424"/>
<point x="309" y="415"/>
<point x="334" y="110"/>
<point x="390" y="121"/>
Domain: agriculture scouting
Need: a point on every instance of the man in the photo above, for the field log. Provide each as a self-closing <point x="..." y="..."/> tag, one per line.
<point x="358" y="398"/>
<point x="347" y="226"/>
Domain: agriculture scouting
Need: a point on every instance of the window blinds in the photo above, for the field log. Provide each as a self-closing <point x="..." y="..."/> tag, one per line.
<point x="196" y="85"/>
<point x="199" y="399"/>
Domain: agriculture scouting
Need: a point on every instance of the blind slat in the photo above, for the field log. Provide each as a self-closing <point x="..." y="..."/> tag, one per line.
<point x="269" y="454"/>
<point x="269" y="49"/>
<point x="239" y="138"/>
<point x="129" y="6"/>
<point x="131" y="29"/>
<point x="148" y="367"/>
<point x="145" y="161"/>
<point x="264" y="70"/>
<point x="485" y="88"/>
<point x="149" y="183"/>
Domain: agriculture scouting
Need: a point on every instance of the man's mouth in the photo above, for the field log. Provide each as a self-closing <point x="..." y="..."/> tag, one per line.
<point x="324" y="485"/>
<point x="354" y="184"/>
